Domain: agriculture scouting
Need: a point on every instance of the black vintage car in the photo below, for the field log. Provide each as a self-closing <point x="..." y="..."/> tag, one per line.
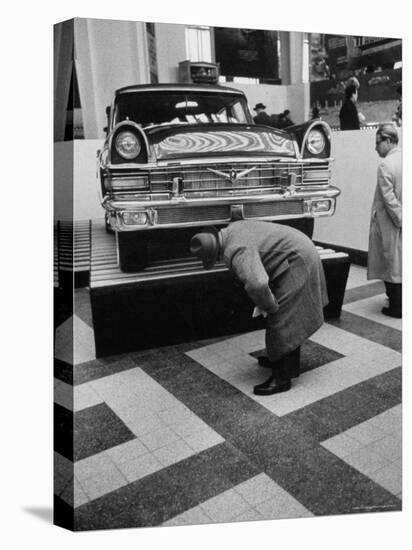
<point x="178" y="157"/>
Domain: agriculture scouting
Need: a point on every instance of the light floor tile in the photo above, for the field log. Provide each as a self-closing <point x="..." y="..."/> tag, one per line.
<point x="362" y="360"/>
<point x="248" y="515"/>
<point x="63" y="394"/>
<point x="127" y="451"/>
<point x="342" y="445"/>
<point x="390" y="477"/>
<point x="79" y="496"/>
<point x="366" y="461"/>
<point x="357" y="277"/>
<point x="370" y="308"/>
<point x="281" y="507"/>
<point x="225" y="506"/>
<point x="63" y="472"/>
<point x="85" y="396"/>
<point x="159" y="438"/>
<point x="176" y="415"/>
<point x="173" y="452"/>
<point x="140" y="467"/>
<point x="190" y="427"/>
<point x="96" y="465"/>
<point x="143" y="425"/>
<point x="203" y="440"/>
<point x="63" y="342"/>
<point x="101" y="484"/>
<point x="130" y="394"/>
<point x="390" y="447"/>
<point x="374" y="447"/>
<point x="83" y="345"/>
<point x="390" y="422"/>
<point x="258" y="489"/>
<point x="365" y="433"/>
<point x="194" y="516"/>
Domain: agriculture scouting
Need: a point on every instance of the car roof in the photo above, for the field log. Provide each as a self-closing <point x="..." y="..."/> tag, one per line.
<point x="178" y="87"/>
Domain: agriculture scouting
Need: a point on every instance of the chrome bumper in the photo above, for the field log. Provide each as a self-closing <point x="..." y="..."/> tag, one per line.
<point x="181" y="211"/>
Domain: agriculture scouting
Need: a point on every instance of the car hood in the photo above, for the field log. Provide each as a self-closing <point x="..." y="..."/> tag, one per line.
<point x="203" y="140"/>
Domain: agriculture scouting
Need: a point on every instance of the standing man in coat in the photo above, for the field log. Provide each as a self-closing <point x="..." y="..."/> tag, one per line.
<point x="385" y="235"/>
<point x="261" y="116"/>
<point x="348" y="115"/>
<point x="283" y="275"/>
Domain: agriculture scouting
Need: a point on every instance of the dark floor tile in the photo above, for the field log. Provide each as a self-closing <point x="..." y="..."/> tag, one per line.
<point x="160" y="496"/>
<point x="82" y="306"/>
<point x="63" y="431"/>
<point x="96" y="429"/>
<point x="63" y="514"/>
<point x="98" y="368"/>
<point x="345" y="409"/>
<point x="63" y="371"/>
<point x="388" y="385"/>
<point x="375" y="332"/>
<point x="286" y="448"/>
<point x="63" y="305"/>
<point x="364" y="291"/>
<point x="312" y="355"/>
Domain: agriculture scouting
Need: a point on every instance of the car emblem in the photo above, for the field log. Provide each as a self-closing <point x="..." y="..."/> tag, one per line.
<point x="233" y="175"/>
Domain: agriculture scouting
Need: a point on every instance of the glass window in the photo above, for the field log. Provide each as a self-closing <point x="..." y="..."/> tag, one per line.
<point x="180" y="107"/>
<point x="198" y="44"/>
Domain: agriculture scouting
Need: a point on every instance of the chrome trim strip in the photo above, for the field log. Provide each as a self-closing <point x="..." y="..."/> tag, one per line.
<point x="215" y="160"/>
<point x="114" y="205"/>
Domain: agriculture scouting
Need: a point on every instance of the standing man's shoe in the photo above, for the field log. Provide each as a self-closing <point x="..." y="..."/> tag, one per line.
<point x="272" y="385"/>
<point x="392" y="312"/>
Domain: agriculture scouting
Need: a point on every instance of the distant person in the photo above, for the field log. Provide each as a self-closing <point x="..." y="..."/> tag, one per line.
<point x="284" y="120"/>
<point x="348" y="114"/>
<point x="315" y="113"/>
<point x="385" y="235"/>
<point x="274" y="121"/>
<point x="261" y="115"/>
<point x="353" y="81"/>
<point x="282" y="273"/>
<point x="397" y="117"/>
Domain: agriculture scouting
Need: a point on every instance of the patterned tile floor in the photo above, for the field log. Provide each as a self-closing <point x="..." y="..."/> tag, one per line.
<point x="174" y="436"/>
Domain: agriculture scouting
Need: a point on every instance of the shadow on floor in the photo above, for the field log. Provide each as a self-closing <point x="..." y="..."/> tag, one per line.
<point x="45" y="514"/>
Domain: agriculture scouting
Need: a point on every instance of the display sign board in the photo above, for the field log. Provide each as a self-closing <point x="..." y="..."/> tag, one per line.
<point x="247" y="52"/>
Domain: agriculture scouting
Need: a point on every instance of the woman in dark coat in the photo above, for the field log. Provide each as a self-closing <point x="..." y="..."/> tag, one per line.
<point x="283" y="275"/>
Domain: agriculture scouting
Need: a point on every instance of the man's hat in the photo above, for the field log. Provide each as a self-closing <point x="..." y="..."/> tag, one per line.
<point x="206" y="247"/>
<point x="259" y="106"/>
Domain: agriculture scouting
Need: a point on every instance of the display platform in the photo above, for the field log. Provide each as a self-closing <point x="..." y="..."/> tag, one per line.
<point x="156" y="307"/>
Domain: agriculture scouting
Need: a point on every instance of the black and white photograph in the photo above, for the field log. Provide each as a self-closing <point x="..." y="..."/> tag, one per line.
<point x="222" y="304"/>
<point x="228" y="220"/>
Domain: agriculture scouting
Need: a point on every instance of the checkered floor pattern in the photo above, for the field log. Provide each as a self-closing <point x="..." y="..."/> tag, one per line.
<point x="175" y="436"/>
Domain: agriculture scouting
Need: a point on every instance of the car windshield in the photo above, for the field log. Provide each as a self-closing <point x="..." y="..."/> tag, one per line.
<point x="180" y="107"/>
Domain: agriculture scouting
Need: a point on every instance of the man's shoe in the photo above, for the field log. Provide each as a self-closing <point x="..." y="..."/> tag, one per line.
<point x="272" y="385"/>
<point x="392" y="312"/>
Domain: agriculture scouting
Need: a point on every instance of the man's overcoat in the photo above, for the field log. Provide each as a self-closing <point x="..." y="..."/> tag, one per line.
<point x="385" y="235"/>
<point x="283" y="275"/>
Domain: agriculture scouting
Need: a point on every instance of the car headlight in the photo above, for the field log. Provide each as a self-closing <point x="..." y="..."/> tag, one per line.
<point x="315" y="142"/>
<point x="128" y="145"/>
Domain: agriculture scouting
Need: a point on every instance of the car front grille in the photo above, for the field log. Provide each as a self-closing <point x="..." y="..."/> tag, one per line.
<point x="215" y="178"/>
<point x="222" y="213"/>
<point x="191" y="214"/>
<point x="268" y="209"/>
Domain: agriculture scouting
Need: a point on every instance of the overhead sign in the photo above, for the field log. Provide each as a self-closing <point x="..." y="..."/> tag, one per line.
<point x="247" y="52"/>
